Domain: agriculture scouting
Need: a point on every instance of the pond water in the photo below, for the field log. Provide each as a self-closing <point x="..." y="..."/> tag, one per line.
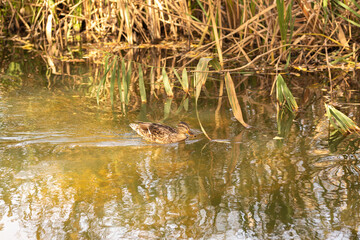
<point x="73" y="170"/>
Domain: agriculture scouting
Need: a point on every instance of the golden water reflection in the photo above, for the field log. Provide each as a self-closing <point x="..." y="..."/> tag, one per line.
<point x="73" y="172"/>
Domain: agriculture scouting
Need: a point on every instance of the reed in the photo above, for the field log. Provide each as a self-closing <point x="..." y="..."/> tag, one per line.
<point x="103" y="78"/>
<point x="240" y="30"/>
<point x="142" y="84"/>
<point x="112" y="81"/>
<point x="117" y="71"/>
<point x="167" y="85"/>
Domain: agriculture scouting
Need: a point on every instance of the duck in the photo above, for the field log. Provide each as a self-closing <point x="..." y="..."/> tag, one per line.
<point x="159" y="133"/>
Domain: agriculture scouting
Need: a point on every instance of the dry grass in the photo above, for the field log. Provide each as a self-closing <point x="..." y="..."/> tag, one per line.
<point x="239" y="32"/>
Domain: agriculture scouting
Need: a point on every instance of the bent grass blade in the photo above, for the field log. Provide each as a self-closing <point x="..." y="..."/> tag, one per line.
<point x="230" y="88"/>
<point x="284" y="95"/>
<point x="123" y="82"/>
<point x="183" y="80"/>
<point x="167" y="85"/>
<point x="342" y="122"/>
<point x="128" y="80"/>
<point x="103" y="79"/>
<point x="201" y="75"/>
<point x="141" y="84"/>
<point x="199" y="80"/>
<point x="112" y="82"/>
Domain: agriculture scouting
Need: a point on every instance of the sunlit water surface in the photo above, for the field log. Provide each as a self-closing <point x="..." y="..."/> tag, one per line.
<point x="72" y="170"/>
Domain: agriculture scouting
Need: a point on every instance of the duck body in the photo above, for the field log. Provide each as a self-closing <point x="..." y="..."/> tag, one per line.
<point x="158" y="133"/>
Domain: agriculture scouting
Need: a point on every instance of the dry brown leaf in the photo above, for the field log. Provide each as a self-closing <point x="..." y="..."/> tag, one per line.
<point x="342" y="38"/>
<point x="230" y="88"/>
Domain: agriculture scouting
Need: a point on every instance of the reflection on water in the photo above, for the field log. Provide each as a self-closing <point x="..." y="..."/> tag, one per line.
<point x="69" y="171"/>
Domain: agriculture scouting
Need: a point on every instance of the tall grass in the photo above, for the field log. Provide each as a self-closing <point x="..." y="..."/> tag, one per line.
<point x="240" y="30"/>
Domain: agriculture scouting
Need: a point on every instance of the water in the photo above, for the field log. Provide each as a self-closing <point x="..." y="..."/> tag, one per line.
<point x="70" y="169"/>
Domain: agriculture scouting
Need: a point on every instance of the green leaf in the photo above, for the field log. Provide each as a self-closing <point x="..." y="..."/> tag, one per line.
<point x="167" y="107"/>
<point x="201" y="73"/>
<point x="112" y="81"/>
<point x="141" y="84"/>
<point x="103" y="79"/>
<point x="124" y="84"/>
<point x="284" y="95"/>
<point x="342" y="122"/>
<point x="183" y="80"/>
<point x="128" y="80"/>
<point x="167" y="85"/>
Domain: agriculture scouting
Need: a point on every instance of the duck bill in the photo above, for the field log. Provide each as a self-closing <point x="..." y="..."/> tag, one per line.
<point x="190" y="133"/>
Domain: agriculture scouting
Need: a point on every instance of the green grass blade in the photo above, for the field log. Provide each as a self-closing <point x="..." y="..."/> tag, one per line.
<point x="356" y="4"/>
<point x="152" y="82"/>
<point x="167" y="107"/>
<point x="128" y="80"/>
<point x="119" y="81"/>
<point x="199" y="81"/>
<point x="349" y="20"/>
<point x="112" y="81"/>
<point x="348" y="8"/>
<point x="183" y="80"/>
<point x="167" y="85"/>
<point x="342" y="58"/>
<point x="200" y="75"/>
<point x="141" y="84"/>
<point x="186" y="104"/>
<point x="342" y="122"/>
<point x="230" y="88"/>
<point x="215" y="63"/>
<point x="281" y="19"/>
<point x="183" y="105"/>
<point x="202" y="8"/>
<point x="284" y="95"/>
<point x="126" y="76"/>
<point x="123" y="81"/>
<point x="103" y="79"/>
<point x="177" y="75"/>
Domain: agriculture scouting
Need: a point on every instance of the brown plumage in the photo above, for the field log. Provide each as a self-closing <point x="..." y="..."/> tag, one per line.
<point x="154" y="132"/>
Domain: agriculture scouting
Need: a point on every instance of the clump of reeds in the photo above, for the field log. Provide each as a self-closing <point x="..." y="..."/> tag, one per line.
<point x="250" y="33"/>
